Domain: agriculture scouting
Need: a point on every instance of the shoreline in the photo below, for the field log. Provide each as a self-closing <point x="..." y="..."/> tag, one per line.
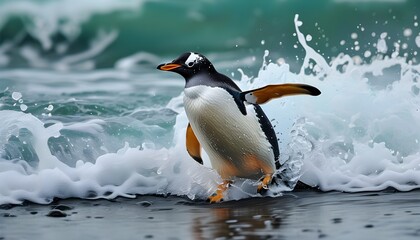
<point x="303" y="214"/>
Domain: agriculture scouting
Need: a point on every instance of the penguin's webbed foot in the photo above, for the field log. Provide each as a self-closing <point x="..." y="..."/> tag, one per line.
<point x="218" y="195"/>
<point x="264" y="182"/>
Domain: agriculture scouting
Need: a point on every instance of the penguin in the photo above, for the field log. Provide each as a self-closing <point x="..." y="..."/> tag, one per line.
<point x="229" y="123"/>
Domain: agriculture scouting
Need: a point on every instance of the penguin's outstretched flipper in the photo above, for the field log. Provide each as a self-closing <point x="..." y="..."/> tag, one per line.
<point x="193" y="145"/>
<point x="265" y="94"/>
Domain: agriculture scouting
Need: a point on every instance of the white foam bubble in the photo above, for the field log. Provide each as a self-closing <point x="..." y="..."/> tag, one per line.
<point x="23" y="107"/>
<point x="418" y="41"/>
<point x="49" y="108"/>
<point x="367" y="54"/>
<point x="407" y="32"/>
<point x="16" y="96"/>
<point x="381" y="46"/>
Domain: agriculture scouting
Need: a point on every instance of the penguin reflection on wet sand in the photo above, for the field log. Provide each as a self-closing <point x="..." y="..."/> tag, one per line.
<point x="228" y="123"/>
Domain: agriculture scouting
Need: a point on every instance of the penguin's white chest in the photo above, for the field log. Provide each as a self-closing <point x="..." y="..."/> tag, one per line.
<point x="235" y="143"/>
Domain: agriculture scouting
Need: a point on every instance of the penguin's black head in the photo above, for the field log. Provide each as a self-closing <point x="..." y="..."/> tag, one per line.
<point x="188" y="64"/>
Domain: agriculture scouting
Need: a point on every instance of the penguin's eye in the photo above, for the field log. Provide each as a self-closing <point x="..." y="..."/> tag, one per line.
<point x="190" y="64"/>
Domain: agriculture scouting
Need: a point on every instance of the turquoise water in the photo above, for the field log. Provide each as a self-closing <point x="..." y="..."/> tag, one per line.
<point x="85" y="113"/>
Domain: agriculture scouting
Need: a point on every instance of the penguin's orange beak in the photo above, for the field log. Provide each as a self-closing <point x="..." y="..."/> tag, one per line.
<point x="168" y="66"/>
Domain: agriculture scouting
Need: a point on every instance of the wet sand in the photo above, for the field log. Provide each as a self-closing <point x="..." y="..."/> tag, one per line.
<point x="297" y="215"/>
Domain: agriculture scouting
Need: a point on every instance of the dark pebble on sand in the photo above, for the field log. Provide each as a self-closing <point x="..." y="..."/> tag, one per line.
<point x="307" y="230"/>
<point x="388" y="214"/>
<point x="148" y="236"/>
<point x="416" y="233"/>
<point x="276" y="220"/>
<point x="62" y="207"/>
<point x="322" y="235"/>
<point x="150" y="218"/>
<point x="99" y="217"/>
<point x="162" y="209"/>
<point x="337" y="220"/>
<point x="34" y="212"/>
<point x="369" y="226"/>
<point x="8" y="215"/>
<point x="56" y="213"/>
<point x="186" y="203"/>
<point x="145" y="203"/>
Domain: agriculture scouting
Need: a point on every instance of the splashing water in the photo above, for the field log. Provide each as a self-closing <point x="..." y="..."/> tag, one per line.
<point x="360" y="134"/>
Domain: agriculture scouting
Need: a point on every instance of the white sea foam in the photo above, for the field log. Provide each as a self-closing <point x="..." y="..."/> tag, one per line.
<point x="129" y="171"/>
<point x="360" y="134"/>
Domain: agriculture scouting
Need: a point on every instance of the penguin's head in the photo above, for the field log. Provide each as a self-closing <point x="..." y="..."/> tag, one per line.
<point x="188" y="64"/>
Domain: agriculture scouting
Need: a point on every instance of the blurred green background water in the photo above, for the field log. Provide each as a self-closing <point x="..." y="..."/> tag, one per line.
<point x="55" y="29"/>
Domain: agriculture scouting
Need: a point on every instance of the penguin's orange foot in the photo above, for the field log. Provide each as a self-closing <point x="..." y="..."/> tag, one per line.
<point x="265" y="181"/>
<point x="218" y="195"/>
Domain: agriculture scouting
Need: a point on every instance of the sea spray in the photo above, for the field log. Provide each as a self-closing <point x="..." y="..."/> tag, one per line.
<point x="363" y="130"/>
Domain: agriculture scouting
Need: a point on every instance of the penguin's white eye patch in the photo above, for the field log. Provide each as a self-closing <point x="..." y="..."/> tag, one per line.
<point x="193" y="59"/>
